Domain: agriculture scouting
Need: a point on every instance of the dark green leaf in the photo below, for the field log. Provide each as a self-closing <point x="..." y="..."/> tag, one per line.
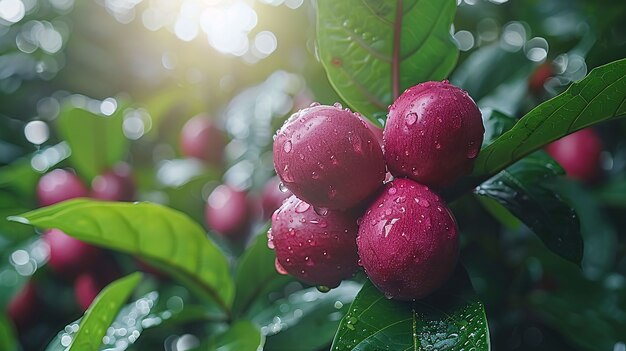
<point x="489" y="67"/>
<point x="496" y="123"/>
<point x="241" y="336"/>
<point x="599" y="97"/>
<point x="98" y="317"/>
<point x="307" y="318"/>
<point x="509" y="96"/>
<point x="164" y="236"/>
<point x="451" y="319"/>
<point x="521" y="189"/>
<point x="613" y="193"/>
<point x="374" y="49"/>
<point x="7" y="337"/>
<point x="97" y="141"/>
<point x="256" y="274"/>
<point x="598" y="232"/>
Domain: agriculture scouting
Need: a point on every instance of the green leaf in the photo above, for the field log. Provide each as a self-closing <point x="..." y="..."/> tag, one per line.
<point x="613" y="193"/>
<point x="15" y="276"/>
<point x="451" y="319"/>
<point x="521" y="189"/>
<point x="163" y="236"/>
<point x="373" y="50"/>
<point x="241" y="336"/>
<point x="601" y="96"/>
<point x="256" y="274"/>
<point x="496" y="123"/>
<point x="98" y="317"/>
<point x="307" y="318"/>
<point x="7" y="336"/>
<point x="97" y="141"/>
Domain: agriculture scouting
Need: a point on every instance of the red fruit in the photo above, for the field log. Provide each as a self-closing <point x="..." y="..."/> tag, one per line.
<point x="59" y="185"/>
<point x="227" y="211"/>
<point x="315" y="246"/>
<point x="69" y="256"/>
<point x="200" y="138"/>
<point x="433" y="134"/>
<point x="23" y="306"/>
<point x="273" y="196"/>
<point x="408" y="241"/>
<point x="539" y="78"/>
<point x="88" y="285"/>
<point x="116" y="184"/>
<point x="579" y="154"/>
<point x="328" y="157"/>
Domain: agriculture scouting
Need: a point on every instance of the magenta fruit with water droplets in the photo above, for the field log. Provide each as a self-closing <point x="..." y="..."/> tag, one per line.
<point x="69" y="256"/>
<point x="116" y="184"/>
<point x="59" y="185"/>
<point x="200" y="138"/>
<point x="408" y="241"/>
<point x="433" y="134"/>
<point x="273" y="196"/>
<point x="228" y="211"/>
<point x="317" y="246"/>
<point x="328" y="157"/>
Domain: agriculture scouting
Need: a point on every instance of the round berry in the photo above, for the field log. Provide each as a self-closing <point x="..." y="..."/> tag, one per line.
<point x="433" y="134"/>
<point x="59" y="185"/>
<point x="408" y="241"/>
<point x="200" y="138"/>
<point x="116" y="184"/>
<point x="227" y="211"/>
<point x="328" y="157"/>
<point x="69" y="256"/>
<point x="88" y="285"/>
<point x="579" y="154"/>
<point x="317" y="246"/>
<point x="274" y="194"/>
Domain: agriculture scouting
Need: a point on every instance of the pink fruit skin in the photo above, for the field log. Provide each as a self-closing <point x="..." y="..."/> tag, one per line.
<point x="200" y="138"/>
<point x="116" y="184"/>
<point x="59" y="185"/>
<point x="316" y="248"/>
<point x="88" y="285"/>
<point x="433" y="134"/>
<point x="408" y="241"/>
<point x="376" y="131"/>
<point x="579" y="154"/>
<point x="273" y="197"/>
<point x="69" y="256"/>
<point x="227" y="211"/>
<point x="328" y="157"/>
<point x="23" y="307"/>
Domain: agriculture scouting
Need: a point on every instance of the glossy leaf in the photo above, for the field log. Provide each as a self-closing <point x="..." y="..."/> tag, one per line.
<point x="256" y="274"/>
<point x="451" y="319"/>
<point x="520" y="188"/>
<point x="599" y="97"/>
<point x="159" y="234"/>
<point x="97" y="141"/>
<point x="496" y="123"/>
<point x="241" y="336"/>
<point x="613" y="193"/>
<point x="98" y="317"/>
<point x="307" y="318"/>
<point x="7" y="336"/>
<point x="373" y="50"/>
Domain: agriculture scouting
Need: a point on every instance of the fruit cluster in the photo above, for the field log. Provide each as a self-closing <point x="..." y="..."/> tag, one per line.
<point x="348" y="211"/>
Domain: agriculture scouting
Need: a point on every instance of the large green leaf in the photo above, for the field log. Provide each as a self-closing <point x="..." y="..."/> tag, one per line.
<point x="307" y="318"/>
<point x="241" y="336"/>
<point x="94" y="324"/>
<point x="601" y="96"/>
<point x="521" y="189"/>
<point x="256" y="274"/>
<point x="97" y="141"/>
<point x="7" y="337"/>
<point x="373" y="50"/>
<point x="164" y="236"/>
<point x="451" y="319"/>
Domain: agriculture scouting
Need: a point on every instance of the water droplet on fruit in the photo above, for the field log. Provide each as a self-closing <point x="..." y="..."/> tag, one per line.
<point x="411" y="118"/>
<point x="424" y="203"/>
<point x="313" y="104"/>
<point x="314" y="175"/>
<point x="437" y="145"/>
<point x="279" y="268"/>
<point x="332" y="192"/>
<point x="392" y="191"/>
<point x="323" y="289"/>
<point x="333" y="159"/>
<point x="287" y="177"/>
<point x="302" y="207"/>
<point x="287" y="146"/>
<point x="337" y="105"/>
<point x="320" y="211"/>
<point x="282" y="188"/>
<point x="270" y="244"/>
<point x="400" y="199"/>
<point x="472" y="152"/>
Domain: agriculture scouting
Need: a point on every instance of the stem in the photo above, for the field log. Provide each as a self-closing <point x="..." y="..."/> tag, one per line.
<point x="395" y="62"/>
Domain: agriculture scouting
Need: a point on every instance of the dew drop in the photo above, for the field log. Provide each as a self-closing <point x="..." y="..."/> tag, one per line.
<point x="315" y="175"/>
<point x="337" y="105"/>
<point x="313" y="104"/>
<point x="411" y="118"/>
<point x="279" y="268"/>
<point x="332" y="192"/>
<point x="322" y="211"/>
<point x="287" y="146"/>
<point x="437" y="145"/>
<point x="302" y="207"/>
<point x="392" y="191"/>
<point x="282" y="188"/>
<point x="323" y="289"/>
